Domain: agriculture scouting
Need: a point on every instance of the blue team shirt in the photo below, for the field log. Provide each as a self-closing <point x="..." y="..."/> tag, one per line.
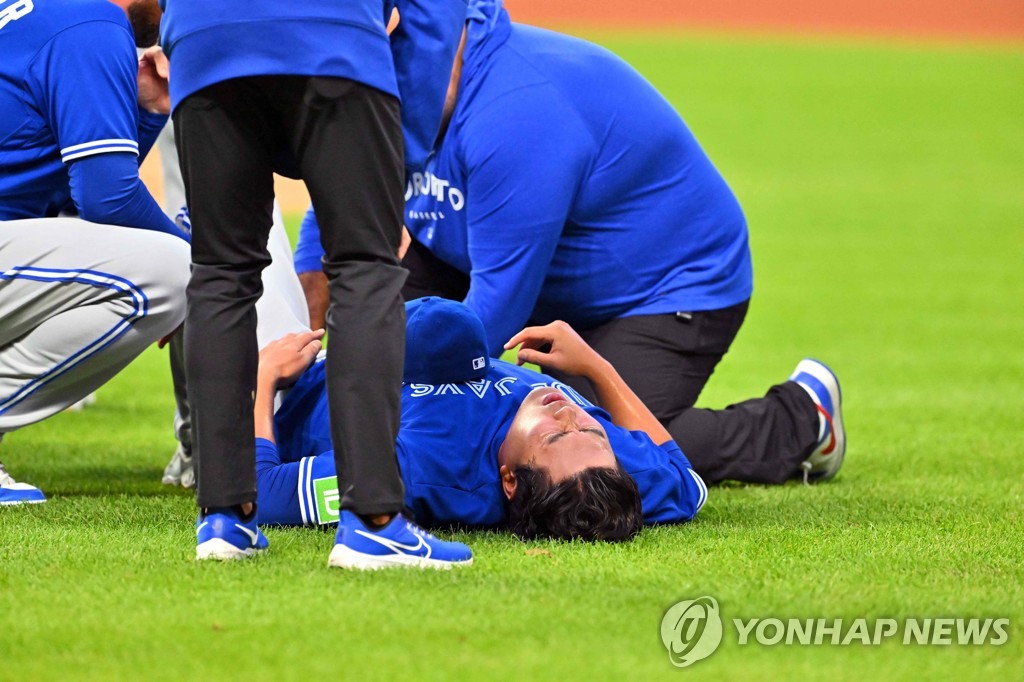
<point x="209" y="42"/>
<point x="448" y="453"/>
<point x="569" y="188"/>
<point x="61" y="98"/>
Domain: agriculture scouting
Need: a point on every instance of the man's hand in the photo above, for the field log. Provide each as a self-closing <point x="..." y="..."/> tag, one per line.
<point x="284" y="360"/>
<point x="154" y="70"/>
<point x="568" y="352"/>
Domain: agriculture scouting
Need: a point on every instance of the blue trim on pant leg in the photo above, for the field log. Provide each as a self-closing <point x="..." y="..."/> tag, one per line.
<point x="140" y="303"/>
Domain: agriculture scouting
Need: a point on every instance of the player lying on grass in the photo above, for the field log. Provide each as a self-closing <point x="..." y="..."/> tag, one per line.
<point x="481" y="443"/>
<point x="80" y="297"/>
<point x="566" y="187"/>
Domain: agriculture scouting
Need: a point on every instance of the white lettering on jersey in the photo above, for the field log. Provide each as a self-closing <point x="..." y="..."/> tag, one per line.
<point x="420" y="390"/>
<point x="14" y="12"/>
<point x="428" y="184"/>
<point x="479" y="387"/>
<point x="502" y="385"/>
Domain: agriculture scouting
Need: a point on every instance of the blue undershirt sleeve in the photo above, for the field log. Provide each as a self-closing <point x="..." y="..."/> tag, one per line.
<point x="524" y="164"/>
<point x="106" y="189"/>
<point x="150" y="126"/>
<point x="277" y="487"/>
<point x="309" y="252"/>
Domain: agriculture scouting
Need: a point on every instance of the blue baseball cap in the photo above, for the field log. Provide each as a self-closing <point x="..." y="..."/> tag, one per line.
<point x="445" y="342"/>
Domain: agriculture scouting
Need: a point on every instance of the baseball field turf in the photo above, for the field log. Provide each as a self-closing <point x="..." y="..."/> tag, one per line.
<point x="884" y="186"/>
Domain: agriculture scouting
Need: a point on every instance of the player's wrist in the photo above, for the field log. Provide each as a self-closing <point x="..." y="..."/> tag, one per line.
<point x="267" y="378"/>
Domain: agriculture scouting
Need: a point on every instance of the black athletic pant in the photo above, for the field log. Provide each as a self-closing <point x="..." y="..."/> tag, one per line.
<point x="344" y="140"/>
<point x="667" y="360"/>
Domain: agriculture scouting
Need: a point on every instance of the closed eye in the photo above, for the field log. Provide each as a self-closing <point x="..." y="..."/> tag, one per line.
<point x="561" y="434"/>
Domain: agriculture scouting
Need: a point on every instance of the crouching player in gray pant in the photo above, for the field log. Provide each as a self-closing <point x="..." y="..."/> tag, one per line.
<point x="81" y="297"/>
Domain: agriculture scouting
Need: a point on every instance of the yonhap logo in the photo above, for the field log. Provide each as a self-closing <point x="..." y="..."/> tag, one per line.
<point x="691" y="630"/>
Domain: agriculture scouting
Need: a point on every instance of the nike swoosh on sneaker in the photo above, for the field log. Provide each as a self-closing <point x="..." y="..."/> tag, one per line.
<point x="395" y="546"/>
<point x="254" y="536"/>
<point x="201" y="526"/>
<point x="831" y="431"/>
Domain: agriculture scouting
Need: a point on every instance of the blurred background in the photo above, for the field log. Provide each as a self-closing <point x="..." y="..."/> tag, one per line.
<point x="941" y="21"/>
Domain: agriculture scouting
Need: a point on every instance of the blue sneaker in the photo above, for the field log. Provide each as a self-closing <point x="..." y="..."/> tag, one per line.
<point x="400" y="543"/>
<point x="12" y="492"/>
<point x="222" y="535"/>
<point x="822" y="385"/>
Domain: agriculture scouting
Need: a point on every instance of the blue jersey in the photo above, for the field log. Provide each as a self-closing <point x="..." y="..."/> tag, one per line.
<point x="447" y="449"/>
<point x="68" y="93"/>
<point x="209" y="42"/>
<point x="569" y="188"/>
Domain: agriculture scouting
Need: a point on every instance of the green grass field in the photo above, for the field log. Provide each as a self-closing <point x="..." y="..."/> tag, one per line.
<point x="885" y="191"/>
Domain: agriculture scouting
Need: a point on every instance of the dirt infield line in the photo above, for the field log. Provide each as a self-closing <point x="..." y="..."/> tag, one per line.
<point x="997" y="20"/>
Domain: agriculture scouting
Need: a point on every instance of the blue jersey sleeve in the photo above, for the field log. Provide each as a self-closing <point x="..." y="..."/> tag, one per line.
<point x="89" y="95"/>
<point x="309" y="252"/>
<point x="671" y="490"/>
<point x="523" y="172"/>
<point x="90" y="102"/>
<point x="302" y="493"/>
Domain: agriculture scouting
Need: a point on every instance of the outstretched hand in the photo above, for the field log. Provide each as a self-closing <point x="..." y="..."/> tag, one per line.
<point x="284" y="360"/>
<point x="567" y="353"/>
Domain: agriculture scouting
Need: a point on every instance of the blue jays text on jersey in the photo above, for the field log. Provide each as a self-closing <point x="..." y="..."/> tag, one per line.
<point x="447" y="449"/>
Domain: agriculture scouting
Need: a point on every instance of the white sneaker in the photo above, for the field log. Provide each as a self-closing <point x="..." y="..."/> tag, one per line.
<point x="180" y="470"/>
<point x="822" y="385"/>
<point x="12" y="492"/>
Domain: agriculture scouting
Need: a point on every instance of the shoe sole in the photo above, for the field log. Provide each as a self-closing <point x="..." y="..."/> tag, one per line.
<point x="345" y="557"/>
<point x="16" y="503"/>
<point x="217" y="549"/>
<point x="837" y="456"/>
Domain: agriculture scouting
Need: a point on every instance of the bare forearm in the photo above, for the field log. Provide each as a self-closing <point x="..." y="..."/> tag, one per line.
<point x="625" y="408"/>
<point x="314" y="286"/>
<point x="263" y="412"/>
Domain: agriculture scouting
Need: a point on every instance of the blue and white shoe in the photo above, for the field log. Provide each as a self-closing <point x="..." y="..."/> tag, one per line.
<point x="822" y="385"/>
<point x="222" y="535"/>
<point x="12" y="492"/>
<point x="399" y="543"/>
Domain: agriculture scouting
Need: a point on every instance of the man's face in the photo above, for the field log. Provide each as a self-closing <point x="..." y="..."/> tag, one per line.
<point x="552" y="433"/>
<point x="144" y="16"/>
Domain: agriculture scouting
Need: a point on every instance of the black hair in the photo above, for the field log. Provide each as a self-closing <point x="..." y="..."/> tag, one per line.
<point x="598" y="503"/>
